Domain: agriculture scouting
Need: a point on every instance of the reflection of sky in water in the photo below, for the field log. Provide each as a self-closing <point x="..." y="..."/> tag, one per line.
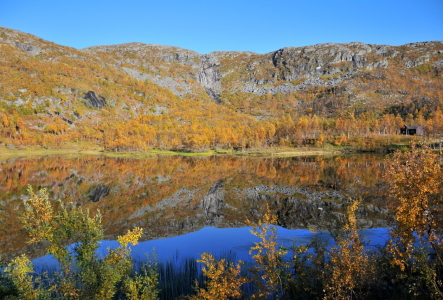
<point x="220" y="241"/>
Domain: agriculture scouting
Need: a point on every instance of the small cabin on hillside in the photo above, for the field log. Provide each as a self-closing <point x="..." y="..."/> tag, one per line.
<point x="412" y="130"/>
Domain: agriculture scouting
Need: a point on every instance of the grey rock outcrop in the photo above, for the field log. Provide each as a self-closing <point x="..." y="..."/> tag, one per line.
<point x="209" y="76"/>
<point x="30" y="49"/>
<point x="415" y="62"/>
<point x="379" y="64"/>
<point x="94" y="100"/>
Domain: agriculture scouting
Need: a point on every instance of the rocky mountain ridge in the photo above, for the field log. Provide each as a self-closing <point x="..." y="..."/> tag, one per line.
<point x="186" y="72"/>
<point x="274" y="72"/>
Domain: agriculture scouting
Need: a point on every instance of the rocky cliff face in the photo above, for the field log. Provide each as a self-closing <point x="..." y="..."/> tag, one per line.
<point x="283" y="71"/>
<point x="166" y="66"/>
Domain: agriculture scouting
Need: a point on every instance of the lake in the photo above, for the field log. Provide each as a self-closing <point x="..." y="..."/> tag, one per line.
<point x="182" y="201"/>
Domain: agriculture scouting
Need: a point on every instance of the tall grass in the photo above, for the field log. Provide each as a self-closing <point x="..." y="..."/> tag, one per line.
<point x="177" y="278"/>
<point x="180" y="276"/>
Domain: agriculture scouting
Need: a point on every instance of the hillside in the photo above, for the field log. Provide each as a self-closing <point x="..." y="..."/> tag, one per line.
<point x="137" y="96"/>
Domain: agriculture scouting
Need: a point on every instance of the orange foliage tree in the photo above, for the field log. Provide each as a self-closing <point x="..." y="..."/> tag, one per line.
<point x="415" y="181"/>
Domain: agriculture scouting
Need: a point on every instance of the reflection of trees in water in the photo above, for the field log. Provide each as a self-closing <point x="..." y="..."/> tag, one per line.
<point x="128" y="187"/>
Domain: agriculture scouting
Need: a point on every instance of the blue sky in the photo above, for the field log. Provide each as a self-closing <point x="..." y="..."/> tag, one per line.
<point x="250" y="25"/>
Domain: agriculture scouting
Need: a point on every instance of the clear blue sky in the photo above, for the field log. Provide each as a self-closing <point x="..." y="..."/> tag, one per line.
<point x="208" y="25"/>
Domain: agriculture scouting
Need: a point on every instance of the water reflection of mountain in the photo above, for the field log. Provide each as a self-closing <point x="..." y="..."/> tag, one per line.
<point x="169" y="196"/>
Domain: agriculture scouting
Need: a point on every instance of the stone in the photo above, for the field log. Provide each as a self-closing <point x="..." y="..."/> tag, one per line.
<point x="94" y="100"/>
<point x="30" y="49"/>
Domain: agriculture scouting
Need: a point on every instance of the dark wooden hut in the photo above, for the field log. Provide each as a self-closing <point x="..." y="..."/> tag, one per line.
<point x="412" y="130"/>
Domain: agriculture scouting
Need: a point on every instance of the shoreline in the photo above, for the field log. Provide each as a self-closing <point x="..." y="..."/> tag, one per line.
<point x="352" y="147"/>
<point x="286" y="152"/>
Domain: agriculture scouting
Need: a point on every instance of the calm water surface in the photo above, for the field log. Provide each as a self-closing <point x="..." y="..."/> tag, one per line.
<point x="192" y="205"/>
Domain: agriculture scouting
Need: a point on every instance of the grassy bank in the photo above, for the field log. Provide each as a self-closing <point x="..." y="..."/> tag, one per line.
<point x="380" y="144"/>
<point x="271" y="152"/>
